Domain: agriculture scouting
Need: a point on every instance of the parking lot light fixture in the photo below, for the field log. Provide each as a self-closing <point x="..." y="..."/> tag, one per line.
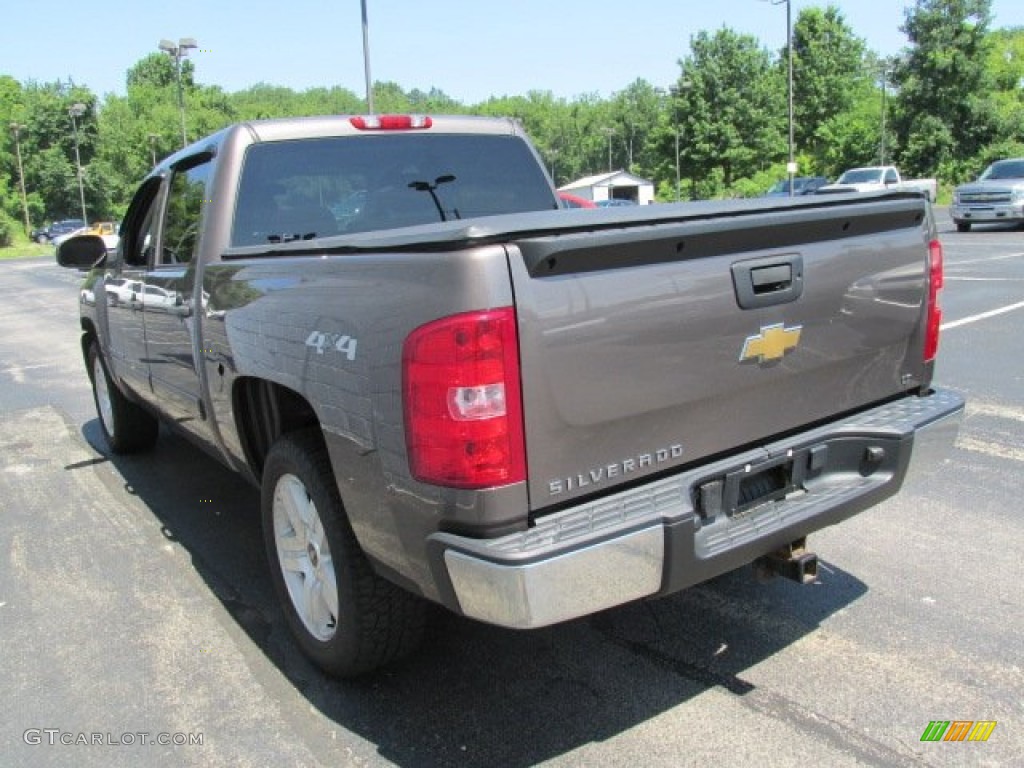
<point x="791" y="166"/>
<point x="177" y="53"/>
<point x="77" y="110"/>
<point x="16" y="129"/>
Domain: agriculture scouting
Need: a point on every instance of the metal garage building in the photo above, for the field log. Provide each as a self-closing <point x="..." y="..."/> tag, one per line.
<point x="616" y="185"/>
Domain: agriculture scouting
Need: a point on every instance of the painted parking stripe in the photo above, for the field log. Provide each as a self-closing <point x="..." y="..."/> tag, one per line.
<point x="983" y="316"/>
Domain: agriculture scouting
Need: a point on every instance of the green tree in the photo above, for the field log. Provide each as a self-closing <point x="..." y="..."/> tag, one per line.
<point x="635" y="113"/>
<point x="262" y="101"/>
<point x="157" y="70"/>
<point x="1006" y="66"/>
<point x="944" y="114"/>
<point x="730" y="104"/>
<point x="48" y="152"/>
<point x="828" y="74"/>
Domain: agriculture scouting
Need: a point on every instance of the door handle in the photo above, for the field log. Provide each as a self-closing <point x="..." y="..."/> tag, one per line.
<point x="772" y="278"/>
<point x="768" y="281"/>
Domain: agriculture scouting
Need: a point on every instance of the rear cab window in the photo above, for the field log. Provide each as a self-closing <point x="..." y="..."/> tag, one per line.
<point x="302" y="189"/>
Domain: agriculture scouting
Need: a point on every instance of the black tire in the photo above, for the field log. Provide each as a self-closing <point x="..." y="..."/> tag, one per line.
<point x="370" y="621"/>
<point x="127" y="427"/>
<point x="42" y="239"/>
<point x="963" y="226"/>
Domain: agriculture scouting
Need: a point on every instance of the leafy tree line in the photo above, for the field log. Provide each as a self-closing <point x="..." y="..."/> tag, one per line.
<point x="949" y="104"/>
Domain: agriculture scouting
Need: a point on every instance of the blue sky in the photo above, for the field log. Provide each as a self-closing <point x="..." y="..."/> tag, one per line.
<point x="470" y="49"/>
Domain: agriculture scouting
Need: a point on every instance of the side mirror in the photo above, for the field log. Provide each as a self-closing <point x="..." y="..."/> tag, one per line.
<point x="82" y="252"/>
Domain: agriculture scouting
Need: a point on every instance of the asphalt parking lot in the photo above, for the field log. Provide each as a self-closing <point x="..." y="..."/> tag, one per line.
<point x="135" y="606"/>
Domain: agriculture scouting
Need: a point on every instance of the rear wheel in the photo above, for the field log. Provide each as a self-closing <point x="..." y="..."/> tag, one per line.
<point x="127" y="427"/>
<point x="345" y="617"/>
<point x="963" y="226"/>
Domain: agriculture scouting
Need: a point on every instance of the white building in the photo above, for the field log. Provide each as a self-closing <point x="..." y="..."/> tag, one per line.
<point x="615" y="185"/>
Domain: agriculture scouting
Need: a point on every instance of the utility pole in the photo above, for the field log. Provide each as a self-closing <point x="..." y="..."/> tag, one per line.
<point x="77" y="110"/>
<point x="674" y="93"/>
<point x="678" y="179"/>
<point x="791" y="165"/>
<point x="881" y="138"/>
<point x="16" y="129"/>
<point x="609" y="132"/>
<point x="366" y="61"/>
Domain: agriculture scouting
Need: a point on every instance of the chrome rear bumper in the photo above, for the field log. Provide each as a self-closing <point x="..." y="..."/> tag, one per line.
<point x="675" y="532"/>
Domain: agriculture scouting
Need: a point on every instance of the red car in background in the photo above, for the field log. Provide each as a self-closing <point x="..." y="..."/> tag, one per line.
<point x="574" y="201"/>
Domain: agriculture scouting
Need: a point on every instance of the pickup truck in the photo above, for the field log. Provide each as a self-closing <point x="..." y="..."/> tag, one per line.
<point x="997" y="196"/>
<point x="458" y="392"/>
<point x="877" y="178"/>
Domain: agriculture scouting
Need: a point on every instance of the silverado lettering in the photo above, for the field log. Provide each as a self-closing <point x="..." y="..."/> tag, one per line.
<point x="610" y="471"/>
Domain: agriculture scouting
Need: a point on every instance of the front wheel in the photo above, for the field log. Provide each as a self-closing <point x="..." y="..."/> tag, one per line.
<point x="963" y="226"/>
<point x="345" y="617"/>
<point x="127" y="427"/>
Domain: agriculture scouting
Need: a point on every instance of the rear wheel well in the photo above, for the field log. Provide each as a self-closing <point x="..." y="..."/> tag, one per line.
<point x="264" y="411"/>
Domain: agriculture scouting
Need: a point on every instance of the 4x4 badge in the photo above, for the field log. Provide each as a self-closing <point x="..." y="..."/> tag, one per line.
<point x="771" y="343"/>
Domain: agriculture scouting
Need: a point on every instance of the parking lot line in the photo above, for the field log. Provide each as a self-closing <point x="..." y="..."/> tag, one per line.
<point x="983" y="316"/>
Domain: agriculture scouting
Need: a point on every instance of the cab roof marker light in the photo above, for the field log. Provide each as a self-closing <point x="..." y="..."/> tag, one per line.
<point x="391" y="122"/>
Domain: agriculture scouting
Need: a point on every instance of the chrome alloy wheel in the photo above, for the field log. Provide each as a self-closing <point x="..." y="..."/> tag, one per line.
<point x="103" y="402"/>
<point x="305" y="558"/>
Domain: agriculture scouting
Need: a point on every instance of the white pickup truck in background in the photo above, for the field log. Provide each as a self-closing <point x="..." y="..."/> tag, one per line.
<point x="878" y="178"/>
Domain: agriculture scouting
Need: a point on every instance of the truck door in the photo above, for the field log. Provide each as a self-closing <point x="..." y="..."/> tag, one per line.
<point x="172" y="318"/>
<point x="123" y="283"/>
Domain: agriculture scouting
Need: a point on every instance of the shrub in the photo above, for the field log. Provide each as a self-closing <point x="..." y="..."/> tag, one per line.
<point x="8" y="227"/>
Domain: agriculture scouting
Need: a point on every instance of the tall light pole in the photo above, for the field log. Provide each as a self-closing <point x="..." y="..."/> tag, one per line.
<point x="791" y="165"/>
<point x="178" y="52"/>
<point x="16" y="129"/>
<point x="675" y="92"/>
<point x="366" y="61"/>
<point x="77" y="110"/>
<point x="679" y="180"/>
<point x="609" y="132"/>
<point x="152" y="146"/>
<point x="881" y="137"/>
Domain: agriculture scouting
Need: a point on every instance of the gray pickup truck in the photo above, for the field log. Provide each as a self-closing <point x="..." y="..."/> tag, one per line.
<point x="449" y="389"/>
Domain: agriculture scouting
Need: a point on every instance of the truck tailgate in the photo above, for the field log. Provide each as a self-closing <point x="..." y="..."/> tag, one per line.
<point x="651" y="347"/>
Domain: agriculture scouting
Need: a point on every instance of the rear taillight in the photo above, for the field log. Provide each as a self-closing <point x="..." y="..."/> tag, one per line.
<point x="463" y="403"/>
<point x="931" y="337"/>
<point x="391" y="122"/>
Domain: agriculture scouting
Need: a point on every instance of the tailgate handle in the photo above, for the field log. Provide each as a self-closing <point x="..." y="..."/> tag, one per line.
<point x="771" y="279"/>
<point x="768" y="281"/>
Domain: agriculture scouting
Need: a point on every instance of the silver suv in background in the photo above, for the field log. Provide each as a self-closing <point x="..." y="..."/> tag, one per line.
<point x="997" y="195"/>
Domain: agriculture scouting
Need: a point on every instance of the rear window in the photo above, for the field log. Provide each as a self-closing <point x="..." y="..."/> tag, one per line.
<point x="298" y="190"/>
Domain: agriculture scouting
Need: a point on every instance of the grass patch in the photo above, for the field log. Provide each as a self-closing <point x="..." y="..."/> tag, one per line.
<point x="25" y="250"/>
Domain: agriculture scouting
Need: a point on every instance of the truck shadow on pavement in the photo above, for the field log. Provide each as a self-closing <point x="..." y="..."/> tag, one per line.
<point x="476" y="695"/>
